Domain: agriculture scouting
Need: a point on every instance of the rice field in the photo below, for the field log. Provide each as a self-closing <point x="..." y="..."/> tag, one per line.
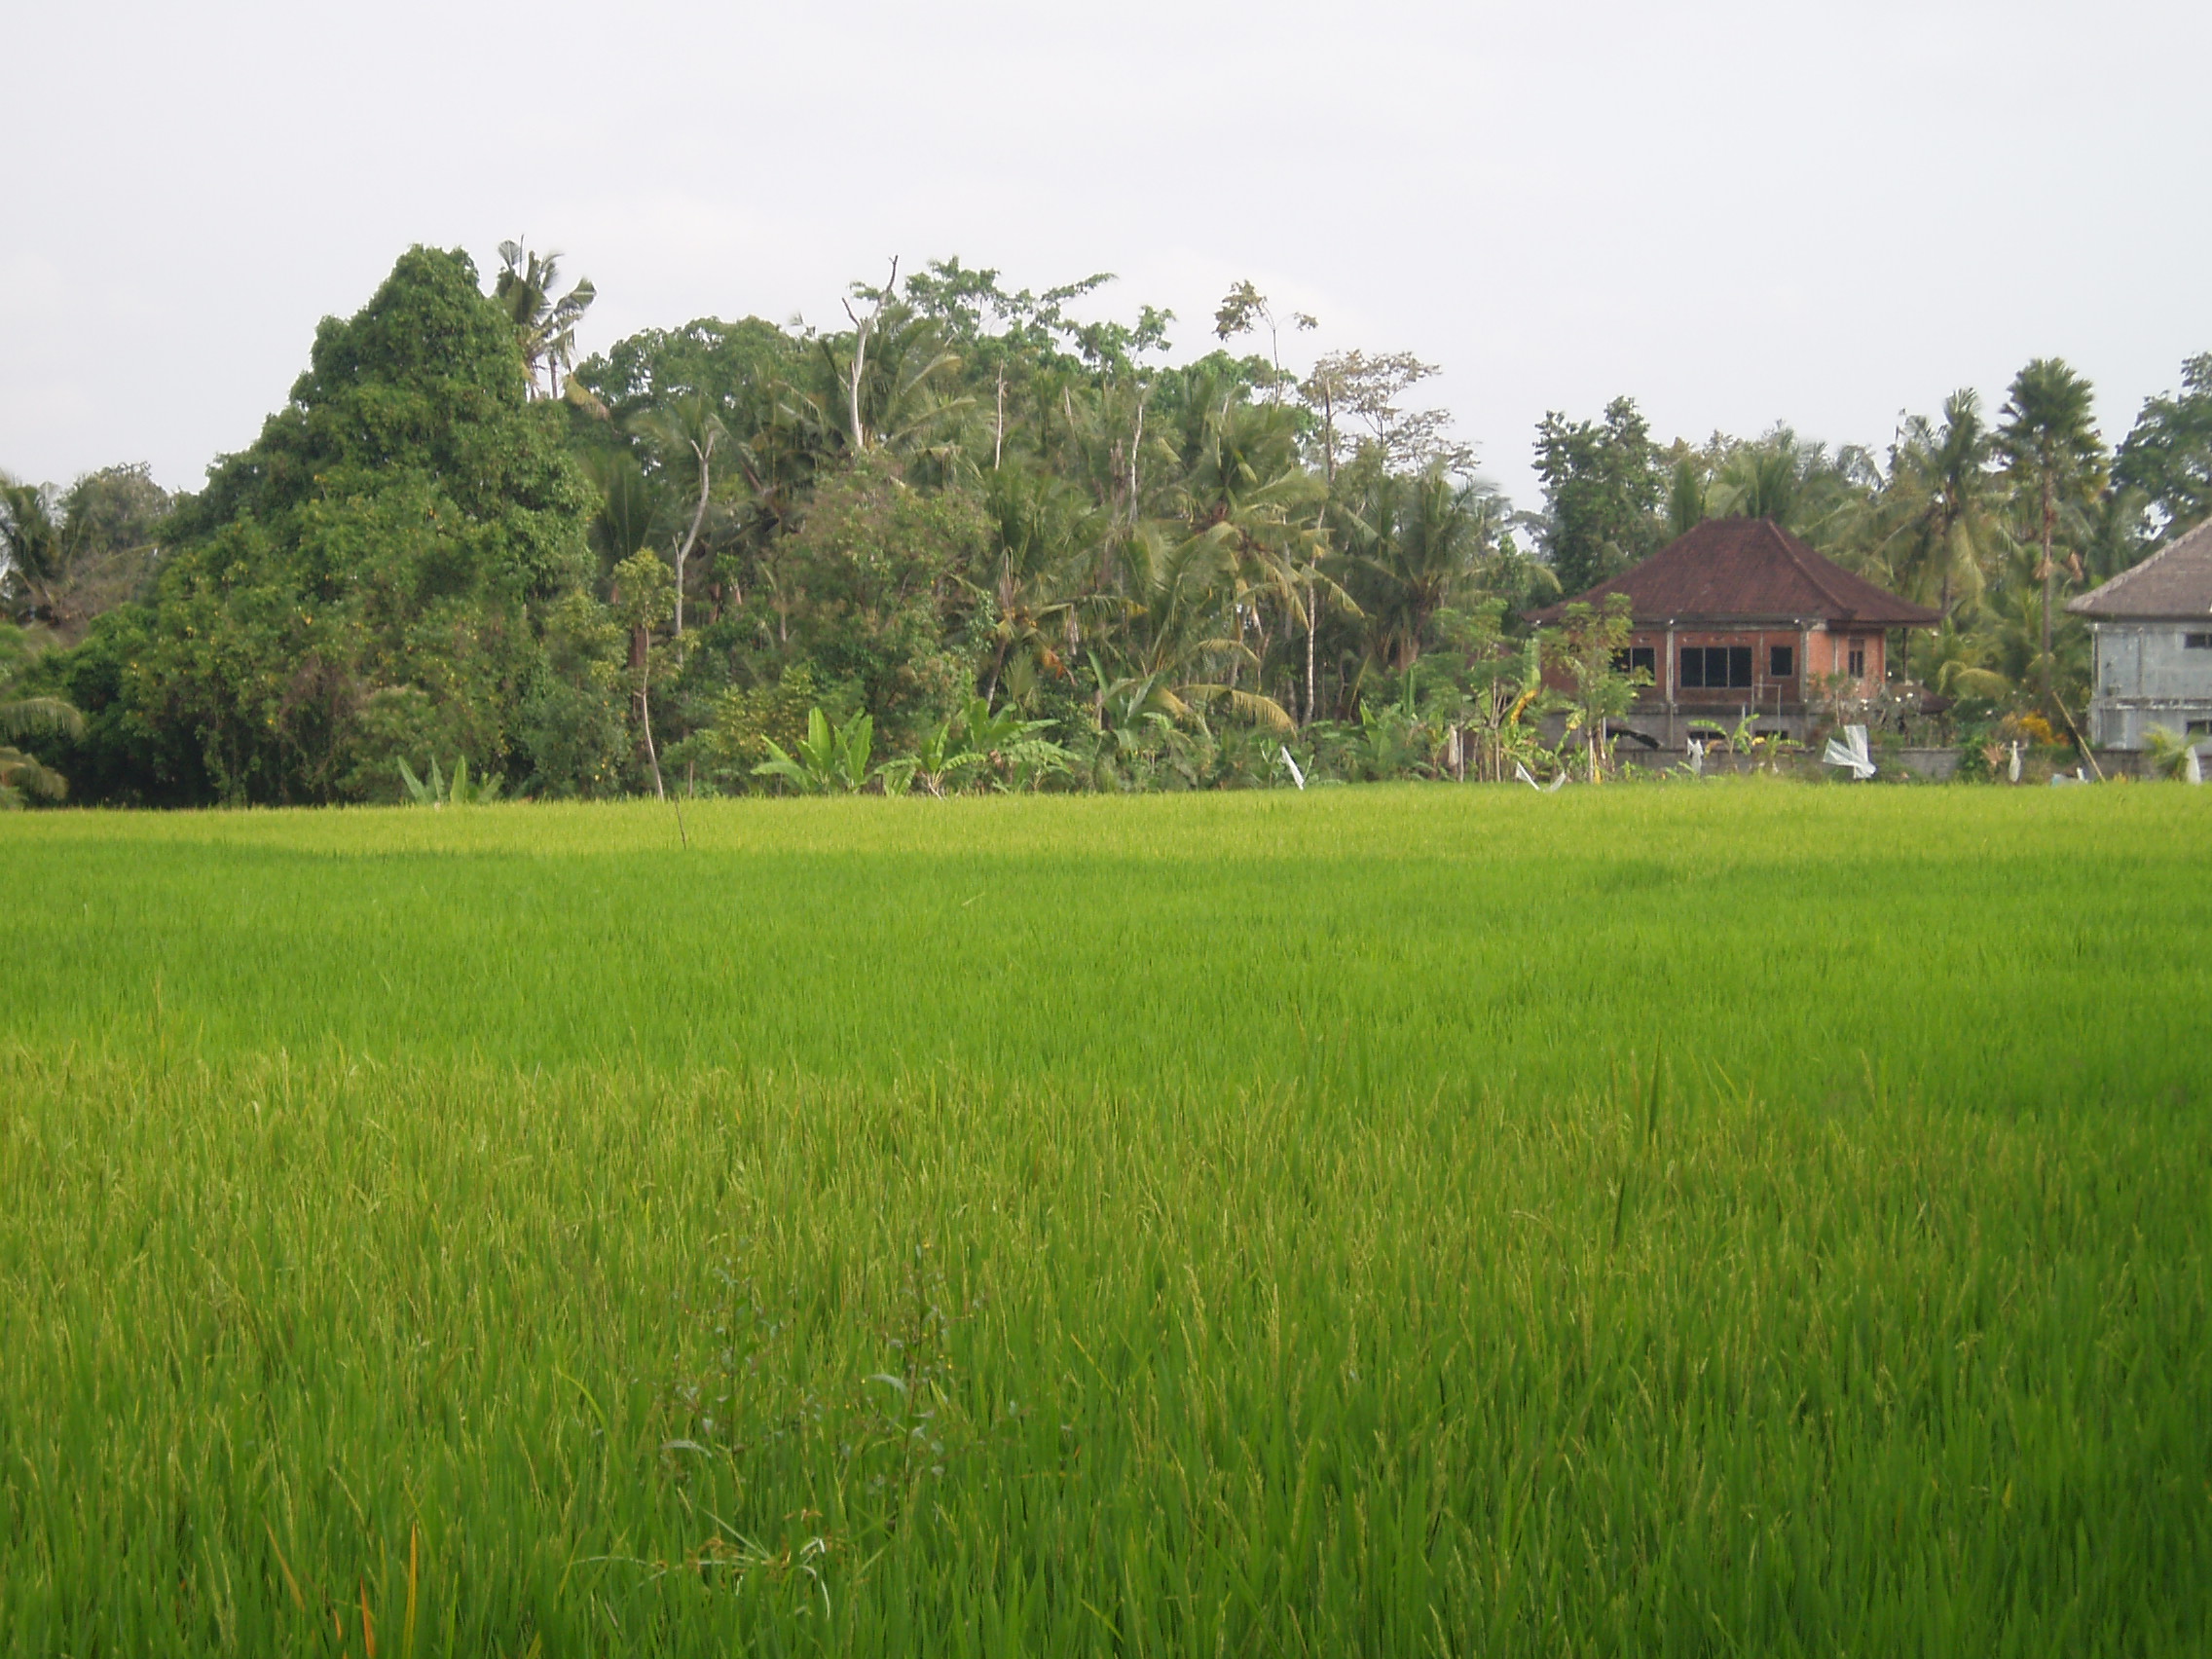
<point x="1745" y="1219"/>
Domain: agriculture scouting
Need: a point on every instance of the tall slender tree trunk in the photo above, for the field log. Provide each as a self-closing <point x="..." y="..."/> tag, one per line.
<point x="1313" y="626"/>
<point x="640" y="659"/>
<point x="2049" y="578"/>
<point x="861" y="332"/>
<point x="706" y="457"/>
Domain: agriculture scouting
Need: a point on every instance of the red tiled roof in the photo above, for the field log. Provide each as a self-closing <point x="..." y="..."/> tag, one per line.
<point x="1737" y="569"/>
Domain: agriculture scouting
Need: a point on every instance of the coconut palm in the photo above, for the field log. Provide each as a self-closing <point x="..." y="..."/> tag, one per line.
<point x="1417" y="543"/>
<point x="1946" y="500"/>
<point x="1757" y="481"/>
<point x="1686" y="497"/>
<point x="22" y="777"/>
<point x="1045" y="538"/>
<point x="545" y="323"/>
<point x="31" y="555"/>
<point x="1177" y="652"/>
<point x="1949" y="663"/>
<point x="893" y="384"/>
<point x="2049" y="438"/>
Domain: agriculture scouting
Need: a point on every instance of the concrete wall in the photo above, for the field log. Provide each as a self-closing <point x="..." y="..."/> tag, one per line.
<point x="2147" y="675"/>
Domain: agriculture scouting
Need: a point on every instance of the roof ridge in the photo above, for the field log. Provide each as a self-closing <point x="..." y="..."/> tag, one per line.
<point x="1743" y="566"/>
<point x="1790" y="544"/>
<point x="2114" y="584"/>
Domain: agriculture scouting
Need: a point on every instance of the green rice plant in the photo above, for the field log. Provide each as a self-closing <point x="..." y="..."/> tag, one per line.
<point x="1241" y="1223"/>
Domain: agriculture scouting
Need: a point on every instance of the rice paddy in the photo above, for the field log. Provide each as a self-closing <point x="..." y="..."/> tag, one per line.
<point x="1404" y="1220"/>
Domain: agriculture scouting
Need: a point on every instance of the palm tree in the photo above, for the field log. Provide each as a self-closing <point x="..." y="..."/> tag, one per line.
<point x="21" y="776"/>
<point x="1418" y="542"/>
<point x="2049" y="438"/>
<point x="1949" y="664"/>
<point x="895" y="387"/>
<point x="1686" y="497"/>
<point x="1244" y="487"/>
<point x="31" y="552"/>
<point x="1940" y="480"/>
<point x="1177" y="648"/>
<point x="1758" y="481"/>
<point x="1045" y="536"/>
<point x="628" y="504"/>
<point x="545" y="324"/>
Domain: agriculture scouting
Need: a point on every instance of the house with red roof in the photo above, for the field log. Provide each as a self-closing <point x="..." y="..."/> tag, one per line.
<point x="1740" y="618"/>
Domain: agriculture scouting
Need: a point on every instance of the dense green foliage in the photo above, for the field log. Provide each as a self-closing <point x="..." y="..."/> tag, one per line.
<point x="1177" y="566"/>
<point x="1359" y="1222"/>
<point x="357" y="586"/>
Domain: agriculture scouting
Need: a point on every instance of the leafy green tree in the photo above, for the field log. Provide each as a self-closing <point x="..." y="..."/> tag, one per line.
<point x="2047" y="433"/>
<point x="360" y="584"/>
<point x="439" y="791"/>
<point x="879" y="573"/>
<point x="751" y="721"/>
<point x="683" y="437"/>
<point x="1602" y="486"/>
<point x="1045" y="537"/>
<point x="645" y="597"/>
<point x="572" y="722"/>
<point x="2169" y="752"/>
<point x="1587" y="650"/>
<point x="1247" y="310"/>
<point x="2167" y="457"/>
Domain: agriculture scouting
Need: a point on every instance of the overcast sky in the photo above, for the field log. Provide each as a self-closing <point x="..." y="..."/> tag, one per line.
<point x="1737" y="214"/>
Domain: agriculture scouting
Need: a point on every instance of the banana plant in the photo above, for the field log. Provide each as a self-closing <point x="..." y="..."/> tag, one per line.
<point x="1011" y="746"/>
<point x="460" y="790"/>
<point x="832" y="759"/>
<point x="940" y="760"/>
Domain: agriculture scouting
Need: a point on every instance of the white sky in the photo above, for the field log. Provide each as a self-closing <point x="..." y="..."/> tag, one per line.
<point x="1734" y="213"/>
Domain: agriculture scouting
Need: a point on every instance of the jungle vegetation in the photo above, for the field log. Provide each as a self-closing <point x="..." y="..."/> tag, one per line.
<point x="1008" y="544"/>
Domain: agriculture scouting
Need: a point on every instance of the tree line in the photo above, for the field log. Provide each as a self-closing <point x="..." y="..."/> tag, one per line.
<point x="967" y="539"/>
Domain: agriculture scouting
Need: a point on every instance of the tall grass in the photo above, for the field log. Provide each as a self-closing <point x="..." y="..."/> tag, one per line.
<point x="1735" y="1220"/>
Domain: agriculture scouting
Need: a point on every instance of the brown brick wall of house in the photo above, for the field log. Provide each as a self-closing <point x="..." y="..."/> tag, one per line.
<point x="1813" y="655"/>
<point x="1667" y="707"/>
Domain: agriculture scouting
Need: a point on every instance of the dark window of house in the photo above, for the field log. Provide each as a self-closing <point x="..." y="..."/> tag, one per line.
<point x="1637" y="659"/>
<point x="1855" y="664"/>
<point x="1716" y="668"/>
<point x="2198" y="728"/>
<point x="2197" y="641"/>
<point x="1781" y="661"/>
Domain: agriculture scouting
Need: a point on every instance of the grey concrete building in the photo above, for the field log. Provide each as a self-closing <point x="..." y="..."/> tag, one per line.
<point x="2152" y="627"/>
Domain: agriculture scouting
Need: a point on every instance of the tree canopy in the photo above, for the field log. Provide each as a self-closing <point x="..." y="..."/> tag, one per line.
<point x="966" y="496"/>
